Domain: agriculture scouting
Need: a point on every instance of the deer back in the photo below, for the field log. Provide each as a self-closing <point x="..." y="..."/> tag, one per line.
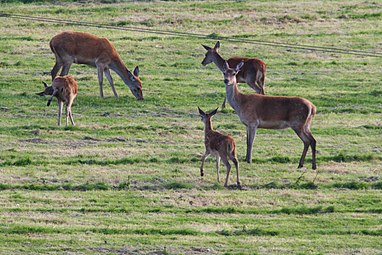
<point x="216" y="141"/>
<point x="83" y="47"/>
<point x="251" y="67"/>
<point x="66" y="86"/>
<point x="275" y="112"/>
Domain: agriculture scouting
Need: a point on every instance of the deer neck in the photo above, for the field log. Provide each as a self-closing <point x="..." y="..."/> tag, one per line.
<point x="207" y="128"/>
<point x="119" y="67"/>
<point x="233" y="95"/>
<point x="219" y="61"/>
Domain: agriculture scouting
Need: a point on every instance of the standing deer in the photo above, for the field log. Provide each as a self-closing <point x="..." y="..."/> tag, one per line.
<point x="221" y="146"/>
<point x="84" y="48"/>
<point x="65" y="89"/>
<point x="272" y="112"/>
<point x="252" y="72"/>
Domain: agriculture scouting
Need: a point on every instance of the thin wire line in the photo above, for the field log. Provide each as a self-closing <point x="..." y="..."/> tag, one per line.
<point x="196" y="35"/>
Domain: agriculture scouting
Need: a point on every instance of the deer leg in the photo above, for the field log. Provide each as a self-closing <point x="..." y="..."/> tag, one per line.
<point x="217" y="168"/>
<point x="60" y="104"/>
<point x="228" y="166"/>
<point x="256" y="87"/>
<point x="66" y="115"/>
<point x="251" y="133"/>
<point x="225" y="99"/>
<point x="252" y="82"/>
<point x="71" y="116"/>
<point x="55" y="93"/>
<point x="260" y="80"/>
<point x="55" y="69"/>
<point x="203" y="159"/>
<point x="69" y="109"/>
<point x="236" y="163"/>
<point x="313" y="147"/>
<point x="100" y="79"/>
<point x="110" y="79"/>
<point x="305" y="139"/>
<point x="65" y="69"/>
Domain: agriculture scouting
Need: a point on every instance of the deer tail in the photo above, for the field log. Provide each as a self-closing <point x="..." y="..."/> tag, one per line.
<point x="230" y="149"/>
<point x="313" y="110"/>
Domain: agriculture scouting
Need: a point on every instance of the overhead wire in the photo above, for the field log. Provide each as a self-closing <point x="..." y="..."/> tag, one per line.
<point x="327" y="49"/>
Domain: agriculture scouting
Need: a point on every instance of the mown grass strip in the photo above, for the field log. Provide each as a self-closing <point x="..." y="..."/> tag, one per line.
<point x="341" y="158"/>
<point x="22" y="229"/>
<point x="127" y="209"/>
<point x="175" y="185"/>
<point x="56" y="187"/>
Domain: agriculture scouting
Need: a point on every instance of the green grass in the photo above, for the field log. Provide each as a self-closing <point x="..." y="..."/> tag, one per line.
<point x="126" y="179"/>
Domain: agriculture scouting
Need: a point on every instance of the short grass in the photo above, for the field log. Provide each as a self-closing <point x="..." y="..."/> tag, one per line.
<point x="126" y="179"/>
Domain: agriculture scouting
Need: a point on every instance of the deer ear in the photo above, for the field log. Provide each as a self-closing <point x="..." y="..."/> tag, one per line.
<point x="45" y="85"/>
<point x="131" y="76"/>
<point x="214" y="111"/>
<point x="136" y="71"/>
<point x="239" y="66"/>
<point x="201" y="112"/>
<point x="217" y="46"/>
<point x="225" y="66"/>
<point x="206" y="47"/>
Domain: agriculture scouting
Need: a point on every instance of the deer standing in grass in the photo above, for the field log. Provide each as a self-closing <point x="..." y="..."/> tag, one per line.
<point x="272" y="112"/>
<point x="84" y="48"/>
<point x="221" y="146"/>
<point x="252" y="72"/>
<point x="65" y="89"/>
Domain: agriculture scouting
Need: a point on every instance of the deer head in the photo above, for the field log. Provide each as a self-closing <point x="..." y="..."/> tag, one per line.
<point x="48" y="91"/>
<point x="230" y="73"/>
<point x="136" y="84"/>
<point x="208" y="58"/>
<point x="206" y="117"/>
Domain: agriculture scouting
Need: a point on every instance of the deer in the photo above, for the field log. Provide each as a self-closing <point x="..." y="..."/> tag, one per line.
<point x="65" y="89"/>
<point x="221" y="146"/>
<point x="271" y="112"/>
<point x="83" y="48"/>
<point x="252" y="72"/>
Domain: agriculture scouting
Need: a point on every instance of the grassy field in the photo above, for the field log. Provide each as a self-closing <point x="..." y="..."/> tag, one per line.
<point x="126" y="179"/>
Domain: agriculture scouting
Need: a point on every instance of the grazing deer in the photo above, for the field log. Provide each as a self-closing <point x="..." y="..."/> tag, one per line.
<point x="84" y="48"/>
<point x="252" y="72"/>
<point x="65" y="89"/>
<point x="221" y="146"/>
<point x="272" y="112"/>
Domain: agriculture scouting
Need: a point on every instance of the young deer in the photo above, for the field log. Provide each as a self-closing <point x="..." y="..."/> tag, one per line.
<point x="83" y="48"/>
<point x="272" y="112"/>
<point x="252" y="72"/>
<point x="221" y="146"/>
<point x="65" y="89"/>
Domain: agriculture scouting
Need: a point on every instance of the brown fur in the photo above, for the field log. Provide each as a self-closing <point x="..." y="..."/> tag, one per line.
<point x="252" y="72"/>
<point x="221" y="146"/>
<point x="65" y="89"/>
<point x="272" y="112"/>
<point x="84" y="48"/>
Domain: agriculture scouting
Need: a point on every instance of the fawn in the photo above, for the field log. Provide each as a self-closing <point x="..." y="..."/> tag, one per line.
<point x="221" y="146"/>
<point x="65" y="89"/>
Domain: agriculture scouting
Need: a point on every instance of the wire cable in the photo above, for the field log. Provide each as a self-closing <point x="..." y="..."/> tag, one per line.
<point x="196" y="35"/>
